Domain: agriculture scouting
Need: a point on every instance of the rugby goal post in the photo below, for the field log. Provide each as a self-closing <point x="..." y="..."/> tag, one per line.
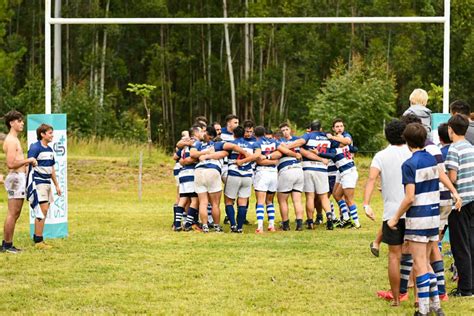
<point x="253" y="20"/>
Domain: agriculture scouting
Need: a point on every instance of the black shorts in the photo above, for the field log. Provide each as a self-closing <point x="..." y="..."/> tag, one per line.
<point x="188" y="195"/>
<point x="393" y="237"/>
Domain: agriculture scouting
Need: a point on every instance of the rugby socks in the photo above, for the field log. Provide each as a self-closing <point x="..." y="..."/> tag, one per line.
<point x="37" y="239"/>
<point x="271" y="215"/>
<point x="344" y="209"/>
<point x="354" y="215"/>
<point x="329" y="216"/>
<point x="434" y="295"/>
<point x="440" y="247"/>
<point x="210" y="220"/>
<point x="178" y="216"/>
<point x="230" y="212"/>
<point x="438" y="268"/>
<point x="285" y="225"/>
<point x="423" y="287"/>
<point x="7" y="245"/>
<point x="332" y="210"/>
<point x="192" y="213"/>
<point x="299" y="224"/>
<point x="260" y="215"/>
<point x="406" y="265"/>
<point x="241" y="216"/>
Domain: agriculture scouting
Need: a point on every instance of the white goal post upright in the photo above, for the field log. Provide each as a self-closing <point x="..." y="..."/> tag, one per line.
<point x="255" y="20"/>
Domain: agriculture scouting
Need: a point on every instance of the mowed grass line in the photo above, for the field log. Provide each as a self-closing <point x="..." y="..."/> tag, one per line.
<point x="122" y="257"/>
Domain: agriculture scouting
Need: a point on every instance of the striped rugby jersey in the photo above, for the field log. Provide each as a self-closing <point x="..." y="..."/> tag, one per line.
<point x="177" y="166"/>
<point x="186" y="173"/>
<point x="287" y="161"/>
<point x="422" y="219"/>
<point x="444" y="194"/>
<point x="343" y="158"/>
<point x="268" y="146"/>
<point x="461" y="158"/>
<point x="245" y="170"/>
<point x="319" y="141"/>
<point x="210" y="163"/>
<point x="45" y="157"/>
<point x="226" y="136"/>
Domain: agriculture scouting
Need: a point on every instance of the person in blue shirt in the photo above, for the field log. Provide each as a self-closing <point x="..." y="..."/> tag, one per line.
<point x="43" y="173"/>
<point x="239" y="180"/>
<point x="421" y="176"/>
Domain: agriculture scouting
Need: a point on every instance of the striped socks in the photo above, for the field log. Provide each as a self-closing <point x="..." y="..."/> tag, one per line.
<point x="190" y="218"/>
<point x="178" y="216"/>
<point x="344" y="209"/>
<point x="230" y="212"/>
<point x="271" y="215"/>
<point x="260" y="215"/>
<point x="434" y="295"/>
<point x="354" y="215"/>
<point x="210" y="220"/>
<point x="423" y="285"/>
<point x="332" y="210"/>
<point x="406" y="265"/>
<point x="438" y="268"/>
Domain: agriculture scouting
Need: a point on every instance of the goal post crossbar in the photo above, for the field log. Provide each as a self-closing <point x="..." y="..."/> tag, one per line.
<point x="445" y="20"/>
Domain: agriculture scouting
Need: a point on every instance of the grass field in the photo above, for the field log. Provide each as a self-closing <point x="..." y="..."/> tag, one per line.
<point x="122" y="257"/>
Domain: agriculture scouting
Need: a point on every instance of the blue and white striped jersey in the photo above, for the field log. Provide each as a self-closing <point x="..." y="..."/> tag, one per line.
<point x="332" y="169"/>
<point x="45" y="157"/>
<point x="319" y="141"/>
<point x="210" y="163"/>
<point x="245" y="170"/>
<point x="268" y="146"/>
<point x="177" y="166"/>
<point x="226" y="136"/>
<point x="422" y="218"/>
<point x="343" y="159"/>
<point x="286" y="161"/>
<point x="186" y="173"/>
<point x="435" y="151"/>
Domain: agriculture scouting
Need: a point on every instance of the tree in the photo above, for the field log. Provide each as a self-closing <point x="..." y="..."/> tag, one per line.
<point x="144" y="91"/>
<point x="363" y="95"/>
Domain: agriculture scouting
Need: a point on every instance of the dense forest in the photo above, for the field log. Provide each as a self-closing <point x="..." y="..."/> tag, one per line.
<point x="363" y="73"/>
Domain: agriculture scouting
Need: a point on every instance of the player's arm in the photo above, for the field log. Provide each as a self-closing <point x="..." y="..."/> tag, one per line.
<point x="194" y="153"/>
<point x="269" y="160"/>
<point x="234" y="147"/>
<point x="286" y="151"/>
<point x="404" y="206"/>
<point x="187" y="161"/>
<point x="297" y="143"/>
<point x="339" y="138"/>
<point x="311" y="155"/>
<point x="448" y="184"/>
<point x="12" y="162"/>
<point x="184" y="142"/>
<point x="369" y="189"/>
<point x="55" y="181"/>
<point x="216" y="156"/>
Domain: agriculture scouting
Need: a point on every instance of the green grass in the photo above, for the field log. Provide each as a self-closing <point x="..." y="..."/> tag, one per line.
<point x="122" y="257"/>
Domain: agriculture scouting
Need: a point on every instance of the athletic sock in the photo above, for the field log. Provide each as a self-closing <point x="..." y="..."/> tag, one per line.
<point x="438" y="268"/>
<point x="329" y="216"/>
<point x="178" y="215"/>
<point x="192" y="212"/>
<point x="230" y="212"/>
<point x="285" y="224"/>
<point x="7" y="245"/>
<point x="332" y="210"/>
<point x="406" y="265"/>
<point x="241" y="216"/>
<point x="271" y="215"/>
<point x="354" y="215"/>
<point x="37" y="239"/>
<point x="175" y="210"/>
<point x="440" y="247"/>
<point x="260" y="215"/>
<point x="299" y="223"/>
<point x="309" y="221"/>
<point x="344" y="209"/>
<point x="423" y="287"/>
<point x="434" y="294"/>
<point x="210" y="220"/>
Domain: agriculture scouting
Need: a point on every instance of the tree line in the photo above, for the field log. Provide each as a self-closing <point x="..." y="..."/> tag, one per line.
<point x="363" y="73"/>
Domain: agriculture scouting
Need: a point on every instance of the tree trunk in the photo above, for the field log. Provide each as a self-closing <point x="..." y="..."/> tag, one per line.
<point x="148" y="125"/>
<point x="57" y="58"/>
<point x="282" y="96"/>
<point x="229" y="61"/>
<point x="209" y="81"/>
<point x="102" y="61"/>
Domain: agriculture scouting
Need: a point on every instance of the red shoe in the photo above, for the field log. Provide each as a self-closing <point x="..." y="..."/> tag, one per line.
<point x="271" y="229"/>
<point x="388" y="295"/>
<point x="404" y="297"/>
<point x="259" y="231"/>
<point x="444" y="297"/>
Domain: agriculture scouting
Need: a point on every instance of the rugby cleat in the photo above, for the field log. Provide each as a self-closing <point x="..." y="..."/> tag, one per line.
<point x="319" y="219"/>
<point x="205" y="228"/>
<point x="218" y="229"/>
<point x="233" y="229"/>
<point x="271" y="229"/>
<point x="12" y="250"/>
<point x="259" y="231"/>
<point x="329" y="225"/>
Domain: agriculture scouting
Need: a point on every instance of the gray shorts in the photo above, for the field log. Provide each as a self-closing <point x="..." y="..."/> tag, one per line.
<point x="207" y="180"/>
<point x="238" y="187"/>
<point x="316" y="181"/>
<point x="291" y="179"/>
<point x="15" y="184"/>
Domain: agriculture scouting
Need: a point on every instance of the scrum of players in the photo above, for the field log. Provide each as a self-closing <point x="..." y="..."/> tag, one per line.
<point x="211" y="160"/>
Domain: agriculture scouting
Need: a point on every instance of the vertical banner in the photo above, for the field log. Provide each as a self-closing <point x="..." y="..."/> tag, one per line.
<point x="56" y="225"/>
<point x="436" y="120"/>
